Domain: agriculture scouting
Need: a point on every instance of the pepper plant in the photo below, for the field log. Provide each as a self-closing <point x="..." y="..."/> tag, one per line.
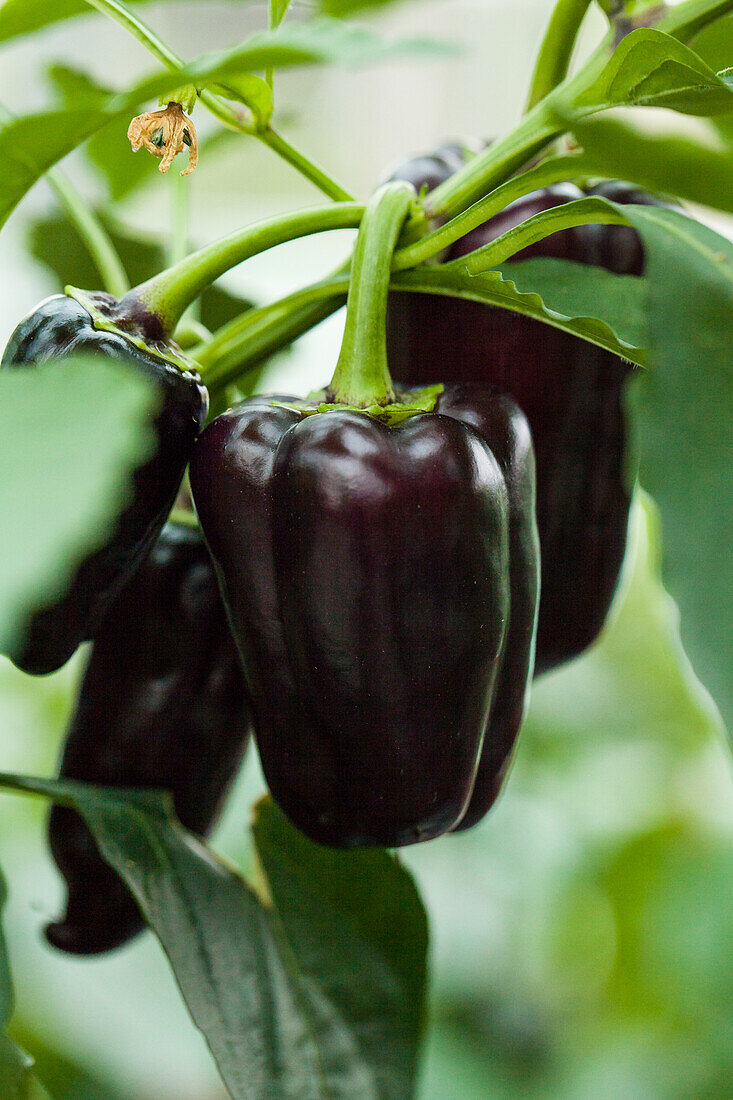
<point x="524" y="339"/>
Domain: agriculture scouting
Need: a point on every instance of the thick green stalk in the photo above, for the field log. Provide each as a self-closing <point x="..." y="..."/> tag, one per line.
<point x="243" y="343"/>
<point x="553" y="59"/>
<point x="553" y="170"/>
<point x="535" y="229"/>
<point x="504" y="157"/>
<point x="226" y="114"/>
<point x="362" y="376"/>
<point x="167" y="295"/>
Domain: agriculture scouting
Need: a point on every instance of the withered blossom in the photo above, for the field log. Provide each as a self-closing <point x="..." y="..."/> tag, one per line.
<point x="165" y="134"/>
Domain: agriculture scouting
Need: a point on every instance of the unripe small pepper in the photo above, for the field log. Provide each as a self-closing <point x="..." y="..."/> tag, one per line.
<point x="62" y="326"/>
<point x="570" y="391"/>
<point x="162" y="704"/>
<point x="367" y="573"/>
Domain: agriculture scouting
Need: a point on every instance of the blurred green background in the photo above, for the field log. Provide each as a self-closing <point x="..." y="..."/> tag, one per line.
<point x="582" y="936"/>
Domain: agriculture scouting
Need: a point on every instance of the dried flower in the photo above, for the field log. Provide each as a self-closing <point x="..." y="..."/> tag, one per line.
<point x="165" y="134"/>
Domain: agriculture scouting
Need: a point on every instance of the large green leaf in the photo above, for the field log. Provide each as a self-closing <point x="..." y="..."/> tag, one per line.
<point x="311" y="988"/>
<point x="652" y="69"/>
<point x="666" y="163"/>
<point x="74" y="432"/>
<point x="335" y="908"/>
<point x="576" y="295"/>
<point x="682" y="414"/>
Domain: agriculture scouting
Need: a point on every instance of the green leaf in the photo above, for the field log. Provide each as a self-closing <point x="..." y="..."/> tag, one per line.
<point x="320" y="41"/>
<point x="18" y="1082"/>
<point x="574" y="301"/>
<point x="315" y="991"/>
<point x="715" y="46"/>
<point x="576" y="290"/>
<point x="250" y="89"/>
<point x="18" y="17"/>
<point x="75" y="430"/>
<point x="55" y="243"/>
<point x="652" y="69"/>
<point x="688" y="18"/>
<point x="667" y="164"/>
<point x="335" y="909"/>
<point x="681" y="413"/>
<point x="29" y="146"/>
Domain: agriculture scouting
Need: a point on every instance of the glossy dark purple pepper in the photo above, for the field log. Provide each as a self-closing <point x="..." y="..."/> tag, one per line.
<point x="366" y="571"/>
<point x="498" y="420"/>
<point x="570" y="391"/>
<point x="162" y="704"/>
<point x="61" y="326"/>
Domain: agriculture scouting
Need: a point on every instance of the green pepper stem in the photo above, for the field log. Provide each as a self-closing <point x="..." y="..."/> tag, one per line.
<point x="553" y="170"/>
<point x="553" y="59"/>
<point x="536" y="228"/>
<point x="243" y="343"/>
<point x="505" y="157"/>
<point x="362" y="376"/>
<point x="166" y="296"/>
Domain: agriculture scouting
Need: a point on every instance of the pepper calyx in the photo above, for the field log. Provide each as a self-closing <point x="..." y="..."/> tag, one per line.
<point x="140" y="331"/>
<point x="408" y="403"/>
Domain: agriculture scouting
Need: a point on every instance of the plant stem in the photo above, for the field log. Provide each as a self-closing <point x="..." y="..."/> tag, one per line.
<point x="95" y="237"/>
<point x="570" y="214"/>
<point x="553" y="59"/>
<point x="686" y="20"/>
<point x="226" y="114"/>
<point x="506" y="156"/>
<point x="303" y="165"/>
<point x="362" y="376"/>
<point x="167" y="295"/>
<point x="259" y="333"/>
<point x="553" y="170"/>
